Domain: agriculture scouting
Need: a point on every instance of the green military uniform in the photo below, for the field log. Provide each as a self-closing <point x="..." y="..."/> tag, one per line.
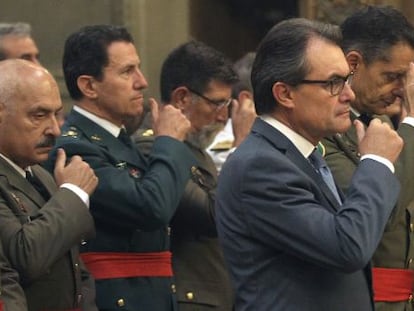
<point x="202" y="280"/>
<point x="41" y="240"/>
<point x="132" y="206"/>
<point x="11" y="294"/>
<point x="396" y="249"/>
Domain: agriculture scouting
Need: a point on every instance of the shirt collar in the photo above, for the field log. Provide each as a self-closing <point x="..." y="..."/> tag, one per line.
<point x="16" y="167"/>
<point x="304" y="146"/>
<point x="109" y="126"/>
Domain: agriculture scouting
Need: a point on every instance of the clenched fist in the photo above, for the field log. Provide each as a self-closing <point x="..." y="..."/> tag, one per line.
<point x="379" y="139"/>
<point x="76" y="172"/>
<point x="169" y="121"/>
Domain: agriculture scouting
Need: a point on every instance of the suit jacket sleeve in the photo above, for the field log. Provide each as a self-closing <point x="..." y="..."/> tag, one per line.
<point x="33" y="246"/>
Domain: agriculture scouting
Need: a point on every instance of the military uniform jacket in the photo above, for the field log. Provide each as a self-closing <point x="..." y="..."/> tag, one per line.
<point x="132" y="206"/>
<point x="40" y="239"/>
<point x="202" y="279"/>
<point x="11" y="294"/>
<point x="396" y="248"/>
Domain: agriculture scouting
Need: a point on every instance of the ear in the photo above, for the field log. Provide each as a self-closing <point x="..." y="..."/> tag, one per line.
<point x="243" y="95"/>
<point x="181" y="98"/>
<point x="87" y="86"/>
<point x="354" y="59"/>
<point x="282" y="92"/>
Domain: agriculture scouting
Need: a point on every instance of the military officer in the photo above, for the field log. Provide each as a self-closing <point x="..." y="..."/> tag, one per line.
<point x="136" y="196"/>
<point x="197" y="79"/>
<point x="379" y="46"/>
<point x="41" y="221"/>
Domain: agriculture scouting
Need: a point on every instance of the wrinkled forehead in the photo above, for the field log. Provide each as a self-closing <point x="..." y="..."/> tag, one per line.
<point x="325" y="58"/>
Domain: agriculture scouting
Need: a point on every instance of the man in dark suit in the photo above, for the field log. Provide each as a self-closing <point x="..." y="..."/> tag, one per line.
<point x="136" y="196"/>
<point x="41" y="223"/>
<point x="292" y="241"/>
<point x="379" y="47"/>
<point x="197" y="79"/>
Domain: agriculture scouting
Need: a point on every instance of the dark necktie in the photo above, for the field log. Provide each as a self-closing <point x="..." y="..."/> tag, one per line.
<point x="125" y="138"/>
<point x="322" y="168"/>
<point x="365" y="118"/>
<point x="37" y="184"/>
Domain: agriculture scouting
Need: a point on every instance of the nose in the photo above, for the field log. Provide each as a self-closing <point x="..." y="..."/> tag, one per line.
<point x="398" y="92"/>
<point x="347" y="94"/>
<point x="53" y="128"/>
<point x="35" y="60"/>
<point x="222" y="114"/>
<point x="140" y="82"/>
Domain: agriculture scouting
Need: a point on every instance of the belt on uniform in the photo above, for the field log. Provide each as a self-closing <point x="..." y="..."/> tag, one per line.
<point x="125" y="265"/>
<point x="392" y="284"/>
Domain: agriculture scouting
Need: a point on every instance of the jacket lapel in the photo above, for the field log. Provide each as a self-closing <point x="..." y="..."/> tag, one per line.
<point x="285" y="146"/>
<point x="20" y="183"/>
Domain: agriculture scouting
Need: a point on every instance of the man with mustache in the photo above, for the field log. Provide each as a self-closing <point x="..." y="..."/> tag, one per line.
<point x="136" y="197"/>
<point x="41" y="221"/>
<point x="197" y="79"/>
<point x="379" y="47"/>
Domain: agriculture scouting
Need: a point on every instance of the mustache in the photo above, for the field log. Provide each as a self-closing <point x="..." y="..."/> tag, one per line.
<point x="48" y="141"/>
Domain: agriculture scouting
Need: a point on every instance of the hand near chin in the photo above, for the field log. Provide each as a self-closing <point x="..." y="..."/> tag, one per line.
<point x="169" y="121"/>
<point x="378" y="139"/>
<point x="409" y="90"/>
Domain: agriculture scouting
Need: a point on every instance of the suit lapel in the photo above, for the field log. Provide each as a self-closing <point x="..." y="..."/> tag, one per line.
<point x="285" y="146"/>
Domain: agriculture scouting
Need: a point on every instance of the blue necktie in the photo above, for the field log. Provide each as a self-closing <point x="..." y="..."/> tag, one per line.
<point x="322" y="168"/>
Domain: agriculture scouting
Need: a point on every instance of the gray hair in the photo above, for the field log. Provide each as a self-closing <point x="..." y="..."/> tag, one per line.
<point x="13" y="29"/>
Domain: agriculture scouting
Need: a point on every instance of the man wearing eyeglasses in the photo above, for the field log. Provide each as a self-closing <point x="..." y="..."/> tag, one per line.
<point x="197" y="79"/>
<point x="379" y="46"/>
<point x="291" y="239"/>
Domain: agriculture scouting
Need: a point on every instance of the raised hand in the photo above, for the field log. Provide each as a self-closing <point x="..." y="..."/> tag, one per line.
<point x="76" y="172"/>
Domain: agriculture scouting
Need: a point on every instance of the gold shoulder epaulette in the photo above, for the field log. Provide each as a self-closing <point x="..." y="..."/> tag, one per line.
<point x="147" y="133"/>
<point x="71" y="132"/>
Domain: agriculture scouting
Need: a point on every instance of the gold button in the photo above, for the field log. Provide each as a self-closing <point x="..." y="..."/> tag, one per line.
<point x="410" y="261"/>
<point x="173" y="288"/>
<point x="76" y="265"/>
<point x="120" y="302"/>
<point x="412" y="227"/>
<point x="189" y="295"/>
<point x="193" y="169"/>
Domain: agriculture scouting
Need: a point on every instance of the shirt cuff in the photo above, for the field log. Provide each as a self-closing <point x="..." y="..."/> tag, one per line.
<point x="408" y="120"/>
<point x="380" y="159"/>
<point x="78" y="191"/>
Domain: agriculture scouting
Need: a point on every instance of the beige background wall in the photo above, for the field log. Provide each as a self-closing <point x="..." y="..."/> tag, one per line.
<point x="159" y="25"/>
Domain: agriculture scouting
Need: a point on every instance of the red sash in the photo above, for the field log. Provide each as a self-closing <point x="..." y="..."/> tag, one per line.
<point x="392" y="284"/>
<point x="124" y="265"/>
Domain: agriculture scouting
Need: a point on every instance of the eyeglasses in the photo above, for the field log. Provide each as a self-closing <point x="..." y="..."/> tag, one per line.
<point x="219" y="104"/>
<point x="335" y="85"/>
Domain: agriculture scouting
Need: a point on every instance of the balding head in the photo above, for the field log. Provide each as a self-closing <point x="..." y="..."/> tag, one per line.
<point x="29" y="104"/>
<point x="17" y="75"/>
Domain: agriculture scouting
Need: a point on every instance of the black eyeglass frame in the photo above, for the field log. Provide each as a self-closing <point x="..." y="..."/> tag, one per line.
<point x="337" y="82"/>
<point x="219" y="104"/>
